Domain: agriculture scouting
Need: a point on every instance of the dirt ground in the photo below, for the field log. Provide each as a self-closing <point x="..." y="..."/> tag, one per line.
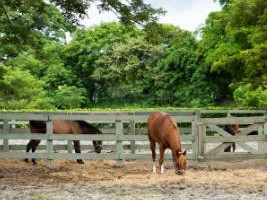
<point x="99" y="179"/>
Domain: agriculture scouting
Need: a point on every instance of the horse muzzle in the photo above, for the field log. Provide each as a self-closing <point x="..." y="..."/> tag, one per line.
<point x="180" y="172"/>
<point x="98" y="148"/>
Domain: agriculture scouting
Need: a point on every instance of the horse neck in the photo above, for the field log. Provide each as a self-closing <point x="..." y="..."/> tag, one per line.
<point x="232" y="128"/>
<point x="87" y="128"/>
<point x="175" y="143"/>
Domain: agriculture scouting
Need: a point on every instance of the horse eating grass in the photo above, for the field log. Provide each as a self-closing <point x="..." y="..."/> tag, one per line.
<point x="163" y="130"/>
<point x="64" y="127"/>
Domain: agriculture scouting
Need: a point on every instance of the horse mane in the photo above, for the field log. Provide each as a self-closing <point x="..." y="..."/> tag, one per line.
<point x="172" y="123"/>
<point x="170" y="120"/>
<point x="37" y="126"/>
<point x="84" y="124"/>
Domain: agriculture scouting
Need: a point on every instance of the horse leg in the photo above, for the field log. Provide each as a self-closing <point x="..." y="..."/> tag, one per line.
<point x="28" y="148"/>
<point x="227" y="149"/>
<point x="77" y="148"/>
<point x="233" y="147"/>
<point x="34" y="147"/>
<point x="153" y="150"/>
<point x="162" y="150"/>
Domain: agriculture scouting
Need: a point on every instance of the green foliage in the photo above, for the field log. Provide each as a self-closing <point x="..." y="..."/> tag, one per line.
<point x="234" y="44"/>
<point x="180" y="73"/>
<point x="26" y="25"/>
<point x="54" y="72"/>
<point x="249" y="96"/>
<point x="224" y="2"/>
<point x="182" y="79"/>
<point x="88" y="46"/>
<point x="48" y="67"/>
<point x="125" y="72"/>
<point x="67" y="97"/>
<point x="113" y="64"/>
<point x="22" y="90"/>
<point x="27" y="62"/>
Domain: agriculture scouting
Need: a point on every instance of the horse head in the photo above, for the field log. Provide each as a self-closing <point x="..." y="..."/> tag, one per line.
<point x="180" y="164"/>
<point x="98" y="144"/>
<point x="88" y="128"/>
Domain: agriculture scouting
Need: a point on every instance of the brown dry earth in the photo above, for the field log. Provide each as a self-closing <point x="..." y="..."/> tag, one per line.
<point x="99" y="179"/>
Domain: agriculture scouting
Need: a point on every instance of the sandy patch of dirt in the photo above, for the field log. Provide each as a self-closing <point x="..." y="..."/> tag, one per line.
<point x="99" y="179"/>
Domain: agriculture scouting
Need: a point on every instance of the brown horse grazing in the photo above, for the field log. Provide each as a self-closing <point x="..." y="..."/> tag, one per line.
<point x="233" y="129"/>
<point x="64" y="127"/>
<point x="163" y="130"/>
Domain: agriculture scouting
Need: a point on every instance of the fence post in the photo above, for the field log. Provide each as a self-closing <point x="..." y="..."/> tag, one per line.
<point x="265" y="133"/>
<point x="49" y="142"/>
<point x="201" y="144"/>
<point x="6" y="131"/>
<point x="69" y="146"/>
<point x="261" y="143"/>
<point x="119" y="147"/>
<point x="195" y="135"/>
<point x="132" y="132"/>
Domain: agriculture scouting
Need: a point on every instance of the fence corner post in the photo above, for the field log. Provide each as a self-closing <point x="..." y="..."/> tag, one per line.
<point x="119" y="147"/>
<point x="195" y="135"/>
<point x="49" y="143"/>
<point x="264" y="149"/>
<point x="132" y="132"/>
<point x="6" y="131"/>
<point x="201" y="134"/>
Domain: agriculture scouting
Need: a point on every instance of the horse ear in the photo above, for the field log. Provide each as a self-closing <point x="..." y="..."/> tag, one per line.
<point x="182" y="152"/>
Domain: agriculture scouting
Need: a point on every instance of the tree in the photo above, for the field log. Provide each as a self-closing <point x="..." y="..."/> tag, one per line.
<point x="248" y="96"/>
<point x="53" y="70"/>
<point x="67" y="97"/>
<point x="88" y="46"/>
<point x="22" y="90"/>
<point x="168" y="35"/>
<point x="24" y="24"/>
<point x="234" y="44"/>
<point x="125" y="74"/>
<point x="27" y="25"/>
<point x="224" y="3"/>
<point x="181" y="78"/>
<point x="48" y="67"/>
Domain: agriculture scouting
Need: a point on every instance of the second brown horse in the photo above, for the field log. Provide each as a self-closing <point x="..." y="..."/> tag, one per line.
<point x="64" y="127"/>
<point x="233" y="129"/>
<point x="163" y="130"/>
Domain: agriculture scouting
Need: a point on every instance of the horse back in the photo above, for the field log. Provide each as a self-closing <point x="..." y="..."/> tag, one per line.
<point x="65" y="127"/>
<point x="59" y="127"/>
<point x="162" y="128"/>
<point x="231" y="128"/>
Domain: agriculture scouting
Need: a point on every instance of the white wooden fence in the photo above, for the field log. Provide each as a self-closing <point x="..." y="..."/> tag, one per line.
<point x="201" y="134"/>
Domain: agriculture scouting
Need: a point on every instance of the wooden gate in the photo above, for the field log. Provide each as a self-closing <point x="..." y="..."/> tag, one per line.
<point x="256" y="125"/>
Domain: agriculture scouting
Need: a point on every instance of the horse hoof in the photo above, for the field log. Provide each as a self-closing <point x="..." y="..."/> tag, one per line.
<point x="26" y="160"/>
<point x="80" y="162"/>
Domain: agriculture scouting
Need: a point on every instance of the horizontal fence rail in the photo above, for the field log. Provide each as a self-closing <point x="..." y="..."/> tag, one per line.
<point x="124" y="134"/>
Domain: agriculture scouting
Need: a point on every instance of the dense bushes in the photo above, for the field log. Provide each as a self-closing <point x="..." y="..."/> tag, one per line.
<point x="116" y="64"/>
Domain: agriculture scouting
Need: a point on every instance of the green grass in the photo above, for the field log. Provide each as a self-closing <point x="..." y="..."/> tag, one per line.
<point x="138" y="107"/>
